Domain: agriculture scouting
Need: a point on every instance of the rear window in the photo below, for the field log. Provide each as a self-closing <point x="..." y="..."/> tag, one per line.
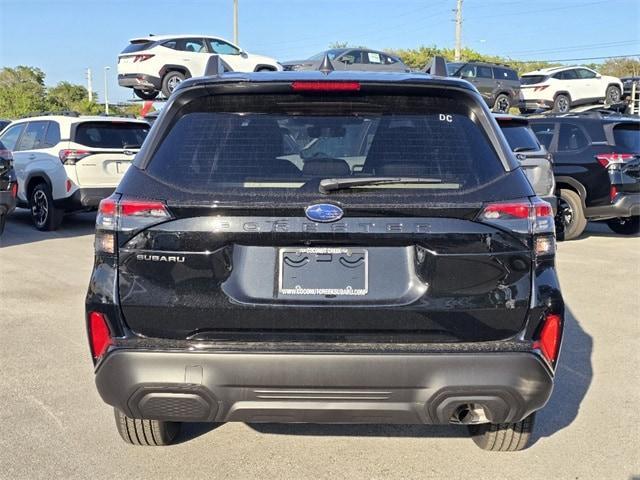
<point x="288" y="143"/>
<point x="532" y="79"/>
<point x="137" y="47"/>
<point x="519" y="136"/>
<point x="111" y="134"/>
<point x="627" y="137"/>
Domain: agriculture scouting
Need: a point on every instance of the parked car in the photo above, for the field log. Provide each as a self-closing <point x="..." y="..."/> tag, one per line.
<point x="8" y="185"/>
<point x="627" y="83"/>
<point x="351" y="59"/>
<point x="4" y="123"/>
<point x="597" y="168"/>
<point x="499" y="85"/>
<point x="561" y="88"/>
<point x="158" y="63"/>
<point x="69" y="163"/>
<point x="412" y="282"/>
<point x="536" y="162"/>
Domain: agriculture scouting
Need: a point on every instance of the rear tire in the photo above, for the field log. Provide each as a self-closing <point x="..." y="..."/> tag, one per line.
<point x="562" y="103"/>
<point x="148" y="433"/>
<point x="573" y="214"/>
<point x="45" y="216"/>
<point x="170" y="82"/>
<point x="502" y="103"/>
<point x="146" y="94"/>
<point x="503" y="437"/>
<point x="625" y="226"/>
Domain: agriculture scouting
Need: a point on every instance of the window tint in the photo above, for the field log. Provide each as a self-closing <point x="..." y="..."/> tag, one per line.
<point x="10" y="137"/>
<point x="468" y="71"/>
<point x="566" y="75"/>
<point x="389" y="60"/>
<point x="484" y="72"/>
<point x="211" y="148"/>
<point x="500" y="73"/>
<point x="519" y="136"/>
<point x="532" y="79"/>
<point x="627" y="137"/>
<point x="544" y="132"/>
<point x="172" y="44"/>
<point x="222" y="47"/>
<point x="52" y="138"/>
<point x="571" y="138"/>
<point x="352" y="56"/>
<point x="33" y="136"/>
<point x="195" y="45"/>
<point x="138" y="46"/>
<point x="584" y="73"/>
<point x="111" y="134"/>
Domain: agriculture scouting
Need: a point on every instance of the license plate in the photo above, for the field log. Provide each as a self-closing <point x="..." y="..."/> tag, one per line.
<point x="327" y="272"/>
<point x="122" y="167"/>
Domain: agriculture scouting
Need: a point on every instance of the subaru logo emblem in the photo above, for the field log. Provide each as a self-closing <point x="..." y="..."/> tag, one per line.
<point x="323" y="212"/>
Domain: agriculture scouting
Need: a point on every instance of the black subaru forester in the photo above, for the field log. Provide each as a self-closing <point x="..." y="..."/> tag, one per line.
<point x="343" y="247"/>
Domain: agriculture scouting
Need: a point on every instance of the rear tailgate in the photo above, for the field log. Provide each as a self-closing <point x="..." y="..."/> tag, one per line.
<point x="104" y="150"/>
<point x="236" y="257"/>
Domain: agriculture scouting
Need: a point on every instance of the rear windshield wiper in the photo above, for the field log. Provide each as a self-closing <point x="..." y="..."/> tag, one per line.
<point x="331" y="184"/>
<point x="524" y="149"/>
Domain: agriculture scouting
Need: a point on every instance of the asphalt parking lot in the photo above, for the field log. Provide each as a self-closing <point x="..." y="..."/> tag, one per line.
<point x="54" y="425"/>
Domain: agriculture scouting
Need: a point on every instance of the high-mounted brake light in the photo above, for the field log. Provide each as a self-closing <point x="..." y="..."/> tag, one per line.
<point x="607" y="159"/>
<point x="325" y="86"/>
<point x="549" y="342"/>
<point x="71" y="155"/>
<point x="99" y="335"/>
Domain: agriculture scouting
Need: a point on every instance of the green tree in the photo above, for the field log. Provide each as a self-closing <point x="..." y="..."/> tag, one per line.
<point x="620" y="67"/>
<point x="22" y="91"/>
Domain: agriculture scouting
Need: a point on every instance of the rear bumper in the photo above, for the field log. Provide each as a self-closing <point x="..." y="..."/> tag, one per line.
<point x="84" y="198"/>
<point x="322" y="387"/>
<point x="532" y="104"/>
<point x="139" y="81"/>
<point x="625" y="205"/>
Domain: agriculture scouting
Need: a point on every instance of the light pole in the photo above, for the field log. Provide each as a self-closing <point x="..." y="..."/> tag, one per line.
<point x="106" y="92"/>
<point x="235" y="22"/>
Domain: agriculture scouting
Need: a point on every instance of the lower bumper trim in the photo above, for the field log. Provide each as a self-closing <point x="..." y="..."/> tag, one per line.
<point x="322" y="388"/>
<point x="626" y="205"/>
<point x="84" y="198"/>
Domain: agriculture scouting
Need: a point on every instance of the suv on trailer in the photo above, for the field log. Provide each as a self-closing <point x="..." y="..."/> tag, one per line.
<point x="66" y="163"/>
<point x="402" y="273"/>
<point x="158" y="63"/>
<point x="499" y="85"/>
<point x="561" y="88"/>
<point x="597" y="168"/>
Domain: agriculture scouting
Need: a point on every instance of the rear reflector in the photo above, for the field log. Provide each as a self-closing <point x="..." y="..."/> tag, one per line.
<point x="98" y="334"/>
<point x="14" y="189"/>
<point x="325" y="86"/>
<point x="606" y="159"/>
<point x="549" y="343"/>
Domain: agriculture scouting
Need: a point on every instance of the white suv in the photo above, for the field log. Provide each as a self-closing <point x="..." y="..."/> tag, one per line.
<point x="69" y="163"/>
<point x="158" y="63"/>
<point x="561" y="88"/>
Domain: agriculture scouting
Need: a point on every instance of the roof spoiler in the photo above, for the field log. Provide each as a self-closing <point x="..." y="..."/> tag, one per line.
<point x="438" y="67"/>
<point x="216" y="66"/>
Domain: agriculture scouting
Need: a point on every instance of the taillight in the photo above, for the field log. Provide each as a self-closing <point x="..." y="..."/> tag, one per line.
<point x="70" y="156"/>
<point x="125" y="215"/>
<point x="523" y="216"/>
<point x="549" y="340"/>
<point x="142" y="58"/>
<point x="325" y="86"/>
<point x="99" y="335"/>
<point x="14" y="189"/>
<point x="613" y="191"/>
<point x="6" y="154"/>
<point x="540" y="88"/>
<point x="607" y="159"/>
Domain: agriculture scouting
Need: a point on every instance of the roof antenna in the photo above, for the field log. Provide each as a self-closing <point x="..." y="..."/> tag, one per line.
<point x="326" y="66"/>
<point x="216" y="66"/>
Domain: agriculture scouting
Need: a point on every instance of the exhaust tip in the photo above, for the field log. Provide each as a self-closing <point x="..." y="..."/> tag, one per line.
<point x="469" y="414"/>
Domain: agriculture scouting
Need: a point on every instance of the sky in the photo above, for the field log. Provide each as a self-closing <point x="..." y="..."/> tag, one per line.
<point x="65" y="37"/>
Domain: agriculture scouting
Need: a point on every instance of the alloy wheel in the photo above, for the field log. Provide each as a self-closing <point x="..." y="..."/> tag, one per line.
<point x="40" y="207"/>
